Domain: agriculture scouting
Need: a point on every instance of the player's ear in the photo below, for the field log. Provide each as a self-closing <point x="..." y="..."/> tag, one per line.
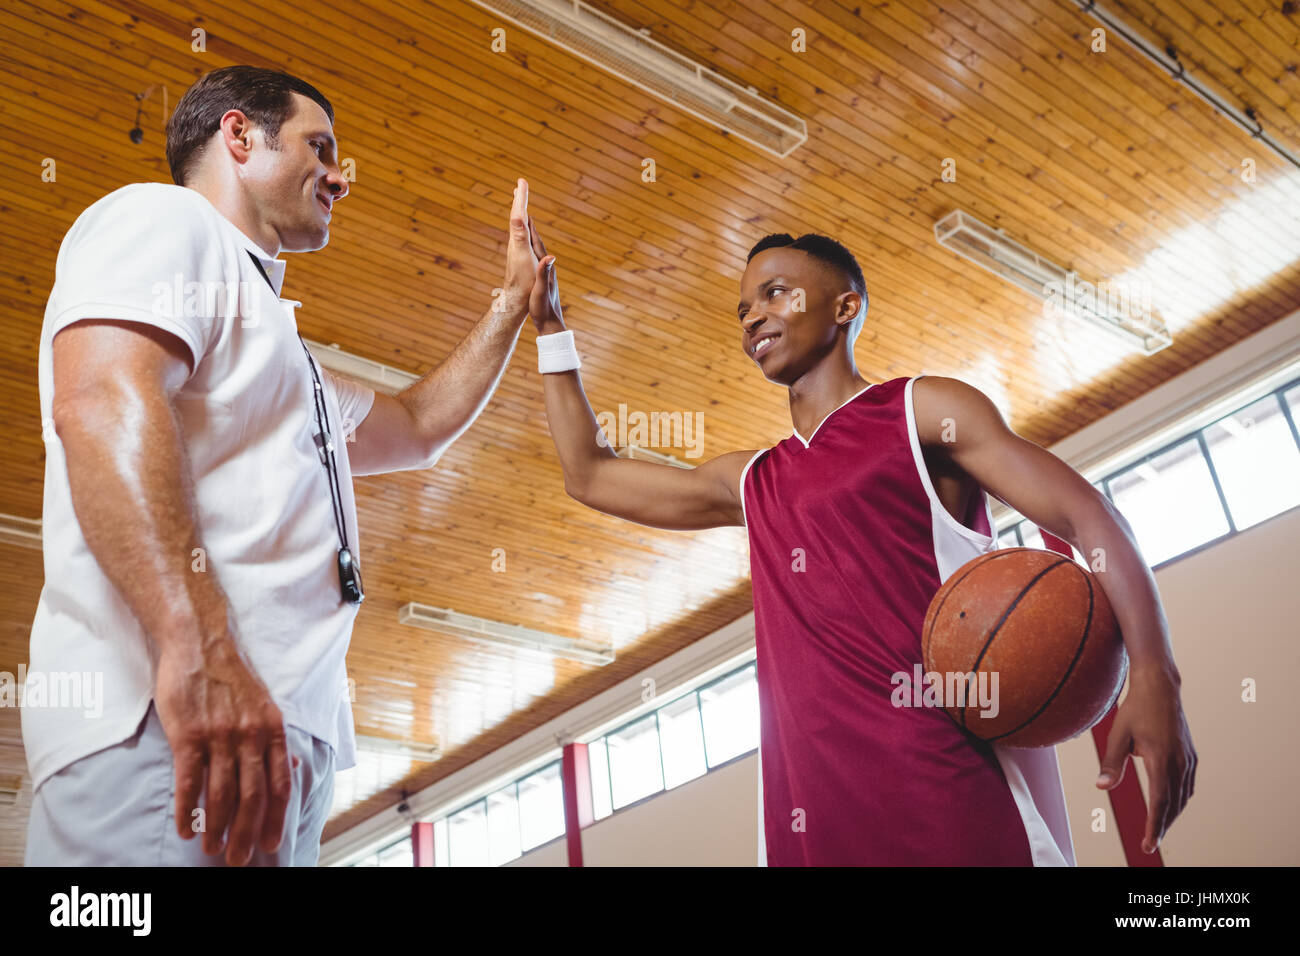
<point x="847" y="307"/>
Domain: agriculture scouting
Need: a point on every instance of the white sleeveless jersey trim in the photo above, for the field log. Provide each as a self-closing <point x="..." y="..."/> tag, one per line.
<point x="808" y="441"/>
<point x="1032" y="774"/>
<point x="762" y="831"/>
<point x="938" y="512"/>
<point x="743" y="473"/>
<point x="762" y="836"/>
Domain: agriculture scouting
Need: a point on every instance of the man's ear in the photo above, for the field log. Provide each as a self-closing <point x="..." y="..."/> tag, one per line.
<point x="236" y="133"/>
<point x="847" y="307"/>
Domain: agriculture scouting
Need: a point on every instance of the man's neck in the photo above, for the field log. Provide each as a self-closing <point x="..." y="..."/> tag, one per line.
<point x="820" y="391"/>
<point x="233" y="203"/>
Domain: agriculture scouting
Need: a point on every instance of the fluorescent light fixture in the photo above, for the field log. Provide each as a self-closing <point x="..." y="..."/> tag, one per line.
<point x="637" y="453"/>
<point x="650" y="66"/>
<point x="24" y="532"/>
<point x="376" y="375"/>
<point x="11" y="785"/>
<point x="494" y="633"/>
<point x="1115" y="307"/>
<point x="426" y="753"/>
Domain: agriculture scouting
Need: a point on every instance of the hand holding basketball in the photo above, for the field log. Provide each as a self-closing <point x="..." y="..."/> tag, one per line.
<point x="1150" y="717"/>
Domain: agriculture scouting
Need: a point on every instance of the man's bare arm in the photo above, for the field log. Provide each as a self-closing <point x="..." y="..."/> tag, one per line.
<point x="660" y="496"/>
<point x="412" y="429"/>
<point x="132" y="491"/>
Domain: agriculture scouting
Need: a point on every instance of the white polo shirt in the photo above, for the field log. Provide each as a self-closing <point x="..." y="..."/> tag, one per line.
<point x="163" y="255"/>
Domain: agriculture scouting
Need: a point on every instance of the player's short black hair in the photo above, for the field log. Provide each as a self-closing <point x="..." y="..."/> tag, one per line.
<point x="828" y="250"/>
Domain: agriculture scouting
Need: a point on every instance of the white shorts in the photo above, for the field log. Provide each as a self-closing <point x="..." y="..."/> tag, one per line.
<point x="115" y="807"/>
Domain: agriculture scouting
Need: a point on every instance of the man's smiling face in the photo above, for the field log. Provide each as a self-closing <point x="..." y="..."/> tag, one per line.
<point x="789" y="304"/>
<point x="297" y="182"/>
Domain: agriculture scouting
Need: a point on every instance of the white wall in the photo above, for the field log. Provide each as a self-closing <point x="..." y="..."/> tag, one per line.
<point x="555" y="853"/>
<point x="710" y="821"/>
<point x="1233" y="612"/>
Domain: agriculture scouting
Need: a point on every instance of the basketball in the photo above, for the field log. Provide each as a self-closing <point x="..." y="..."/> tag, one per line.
<point x="1038" y="632"/>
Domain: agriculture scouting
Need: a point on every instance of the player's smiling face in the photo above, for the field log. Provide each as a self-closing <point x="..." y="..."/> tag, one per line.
<point x="787" y="310"/>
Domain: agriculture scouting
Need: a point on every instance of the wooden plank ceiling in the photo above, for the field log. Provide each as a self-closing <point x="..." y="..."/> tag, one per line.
<point x="1097" y="160"/>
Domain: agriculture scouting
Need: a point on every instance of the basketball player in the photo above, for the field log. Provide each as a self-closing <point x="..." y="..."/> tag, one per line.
<point x="854" y="521"/>
<point x="200" y="534"/>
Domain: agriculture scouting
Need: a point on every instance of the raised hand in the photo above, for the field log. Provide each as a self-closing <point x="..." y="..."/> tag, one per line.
<point x="521" y="261"/>
<point x="544" y="299"/>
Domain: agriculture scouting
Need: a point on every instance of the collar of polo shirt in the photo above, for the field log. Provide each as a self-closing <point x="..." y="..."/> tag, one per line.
<point x="274" y="267"/>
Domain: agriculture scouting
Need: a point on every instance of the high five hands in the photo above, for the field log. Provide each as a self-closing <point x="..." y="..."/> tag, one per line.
<point x="530" y="285"/>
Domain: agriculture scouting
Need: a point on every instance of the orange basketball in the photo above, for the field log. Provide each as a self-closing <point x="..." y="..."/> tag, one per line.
<point x="1042" y="624"/>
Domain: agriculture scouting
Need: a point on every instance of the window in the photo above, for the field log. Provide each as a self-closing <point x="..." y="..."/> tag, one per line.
<point x="602" y="802"/>
<point x="397" y="854"/>
<point x="1032" y="537"/>
<point x="541" y="807"/>
<point x="1229" y="475"/>
<point x="729" y="708"/>
<point x="1256" y="460"/>
<point x="467" y="834"/>
<point x="635" y="767"/>
<point x="682" y="737"/>
<point x="503" y="826"/>
<point x="441" y="848"/>
<point x="1292" y="398"/>
<point x="678" y="742"/>
<point x="1170" y="501"/>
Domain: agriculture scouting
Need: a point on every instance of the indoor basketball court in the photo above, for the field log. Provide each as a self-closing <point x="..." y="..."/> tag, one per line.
<point x="527" y="433"/>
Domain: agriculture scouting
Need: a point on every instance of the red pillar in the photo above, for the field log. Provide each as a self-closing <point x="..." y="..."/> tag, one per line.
<point x="1127" y="804"/>
<point x="575" y="773"/>
<point x="422" y="844"/>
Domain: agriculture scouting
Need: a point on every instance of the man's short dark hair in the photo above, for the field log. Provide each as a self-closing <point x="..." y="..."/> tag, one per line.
<point x="821" y="247"/>
<point x="264" y="96"/>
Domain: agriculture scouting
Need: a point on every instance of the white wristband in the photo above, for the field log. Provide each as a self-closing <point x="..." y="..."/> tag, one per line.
<point x="556" y="352"/>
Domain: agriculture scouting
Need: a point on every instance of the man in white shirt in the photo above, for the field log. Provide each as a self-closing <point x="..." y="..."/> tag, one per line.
<point x="200" y="538"/>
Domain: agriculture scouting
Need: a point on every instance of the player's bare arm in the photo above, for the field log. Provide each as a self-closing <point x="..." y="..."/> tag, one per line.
<point x="957" y="421"/>
<point x="413" y="428"/>
<point x="660" y="496"/>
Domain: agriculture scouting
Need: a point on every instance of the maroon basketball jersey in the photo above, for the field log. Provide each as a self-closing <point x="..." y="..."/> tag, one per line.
<point x="848" y="544"/>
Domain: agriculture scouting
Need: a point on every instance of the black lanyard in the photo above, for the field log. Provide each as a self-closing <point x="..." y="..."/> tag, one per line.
<point x="349" y="573"/>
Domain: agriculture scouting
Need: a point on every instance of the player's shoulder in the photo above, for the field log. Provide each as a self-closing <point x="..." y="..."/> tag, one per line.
<point x="941" y="388"/>
<point x="940" y="404"/>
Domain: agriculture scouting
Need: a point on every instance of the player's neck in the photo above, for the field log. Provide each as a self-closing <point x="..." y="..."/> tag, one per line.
<point x="821" y="390"/>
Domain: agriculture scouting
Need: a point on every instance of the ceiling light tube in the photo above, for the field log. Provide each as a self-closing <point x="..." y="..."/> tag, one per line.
<point x="632" y="56"/>
<point x="494" y="633"/>
<point x="991" y="249"/>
